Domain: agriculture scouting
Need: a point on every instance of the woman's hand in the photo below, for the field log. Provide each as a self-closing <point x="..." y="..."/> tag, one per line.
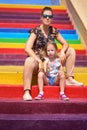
<point x="62" y="57"/>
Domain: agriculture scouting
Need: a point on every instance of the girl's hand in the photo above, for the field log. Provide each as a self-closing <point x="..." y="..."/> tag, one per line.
<point x="40" y="66"/>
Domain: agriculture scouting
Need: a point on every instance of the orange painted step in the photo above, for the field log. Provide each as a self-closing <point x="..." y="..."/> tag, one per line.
<point x="7" y="91"/>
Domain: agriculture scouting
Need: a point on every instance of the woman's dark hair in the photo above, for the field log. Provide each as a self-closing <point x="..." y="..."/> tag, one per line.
<point x="46" y="8"/>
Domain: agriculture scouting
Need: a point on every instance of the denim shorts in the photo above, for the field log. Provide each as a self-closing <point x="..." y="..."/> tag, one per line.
<point x="51" y="80"/>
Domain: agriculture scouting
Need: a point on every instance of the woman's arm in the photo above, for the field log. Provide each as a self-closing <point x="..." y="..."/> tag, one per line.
<point x="29" y="45"/>
<point x="64" y="47"/>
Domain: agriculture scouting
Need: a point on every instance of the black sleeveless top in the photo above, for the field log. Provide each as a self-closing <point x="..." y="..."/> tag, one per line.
<point x="41" y="40"/>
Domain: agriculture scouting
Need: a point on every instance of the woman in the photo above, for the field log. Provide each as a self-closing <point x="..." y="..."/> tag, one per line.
<point x="35" y="45"/>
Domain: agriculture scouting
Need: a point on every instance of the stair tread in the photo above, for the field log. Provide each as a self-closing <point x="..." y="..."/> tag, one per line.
<point x="8" y="68"/>
<point x="43" y="116"/>
<point x="74" y="106"/>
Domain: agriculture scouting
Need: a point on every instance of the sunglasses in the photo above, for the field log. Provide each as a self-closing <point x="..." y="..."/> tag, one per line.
<point x="49" y="16"/>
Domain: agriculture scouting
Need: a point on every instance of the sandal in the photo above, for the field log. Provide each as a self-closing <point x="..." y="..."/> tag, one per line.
<point x="39" y="97"/>
<point x="63" y="97"/>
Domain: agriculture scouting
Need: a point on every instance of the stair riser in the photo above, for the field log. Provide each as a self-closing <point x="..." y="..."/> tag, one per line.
<point x="21" y="62"/>
<point x="50" y="92"/>
<point x="23" y="56"/>
<point x="43" y="124"/>
<point x="44" y="107"/>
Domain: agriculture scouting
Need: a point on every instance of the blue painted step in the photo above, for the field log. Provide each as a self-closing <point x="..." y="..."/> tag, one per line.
<point x="26" y="35"/>
<point x="32" y="2"/>
<point x="26" y="30"/>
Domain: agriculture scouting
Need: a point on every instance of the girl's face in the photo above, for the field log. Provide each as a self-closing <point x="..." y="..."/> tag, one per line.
<point x="51" y="51"/>
<point x="46" y="17"/>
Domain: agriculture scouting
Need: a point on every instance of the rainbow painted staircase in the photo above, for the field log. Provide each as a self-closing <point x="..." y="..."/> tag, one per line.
<point x="51" y="113"/>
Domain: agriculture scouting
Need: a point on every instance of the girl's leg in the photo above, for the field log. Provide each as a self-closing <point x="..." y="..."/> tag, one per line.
<point x="29" y="66"/>
<point x="41" y="81"/>
<point x="61" y="78"/>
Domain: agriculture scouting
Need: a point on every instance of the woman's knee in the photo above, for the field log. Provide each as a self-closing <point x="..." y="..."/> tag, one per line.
<point x="29" y="62"/>
<point x="71" y="51"/>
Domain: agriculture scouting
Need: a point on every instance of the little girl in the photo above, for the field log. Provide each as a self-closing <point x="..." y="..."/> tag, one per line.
<point x="52" y="74"/>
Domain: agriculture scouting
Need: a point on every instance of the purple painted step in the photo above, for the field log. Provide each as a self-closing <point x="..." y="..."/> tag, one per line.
<point x="33" y="17"/>
<point x="2" y="15"/>
<point x="13" y="56"/>
<point x="14" y="59"/>
<point x="43" y="122"/>
<point x="81" y="57"/>
<point x="21" y="62"/>
<point x="82" y="63"/>
<point x="11" y="62"/>
<point x="31" y="13"/>
<point x="46" y="106"/>
<point x="23" y="56"/>
<point x="32" y="21"/>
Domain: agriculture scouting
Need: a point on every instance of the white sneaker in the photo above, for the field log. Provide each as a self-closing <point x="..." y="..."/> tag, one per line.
<point x="27" y="97"/>
<point x="73" y="82"/>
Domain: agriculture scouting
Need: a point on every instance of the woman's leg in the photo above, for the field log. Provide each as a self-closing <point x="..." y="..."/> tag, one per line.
<point x="29" y="66"/>
<point x="70" y="64"/>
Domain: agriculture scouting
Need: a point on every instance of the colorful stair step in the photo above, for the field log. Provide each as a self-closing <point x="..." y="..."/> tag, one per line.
<point x="23" y="40"/>
<point x="23" y="56"/>
<point x="26" y="35"/>
<point x="32" y="8"/>
<point x="11" y="20"/>
<point x="36" y="2"/>
<point x="13" y="75"/>
<point x="22" y="46"/>
<point x="43" y="121"/>
<point x="27" y="30"/>
<point x="17" y="59"/>
<point x="21" y="51"/>
<point x="32" y="12"/>
<point x="28" y="25"/>
<point x="21" y="62"/>
<point x="16" y="91"/>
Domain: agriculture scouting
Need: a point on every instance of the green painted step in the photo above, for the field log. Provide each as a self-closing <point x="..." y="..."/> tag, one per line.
<point x="23" y="40"/>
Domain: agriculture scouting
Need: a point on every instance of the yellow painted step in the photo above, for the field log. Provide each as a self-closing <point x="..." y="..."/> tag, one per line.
<point x="75" y="46"/>
<point x="29" y="6"/>
<point x="13" y="75"/>
<point x="12" y="45"/>
<point x="22" y="45"/>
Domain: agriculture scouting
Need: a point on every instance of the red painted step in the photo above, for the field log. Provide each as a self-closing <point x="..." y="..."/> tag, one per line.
<point x="16" y="91"/>
<point x="11" y="51"/>
<point x="30" y="25"/>
<point x="28" y="10"/>
<point x="21" y="51"/>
